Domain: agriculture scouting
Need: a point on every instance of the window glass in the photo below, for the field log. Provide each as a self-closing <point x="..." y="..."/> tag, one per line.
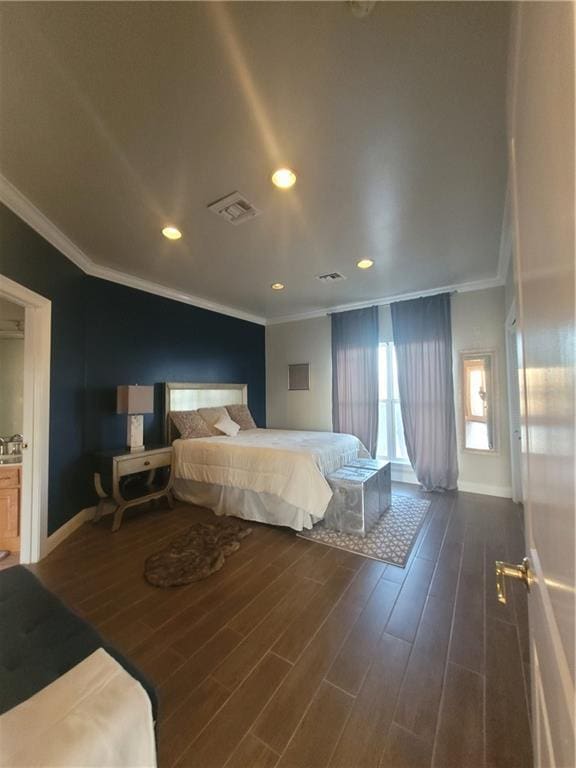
<point x="396" y="394"/>
<point x="382" y="372"/>
<point x="401" y="452"/>
<point x="382" y="447"/>
<point x="478" y="396"/>
<point x="391" y="443"/>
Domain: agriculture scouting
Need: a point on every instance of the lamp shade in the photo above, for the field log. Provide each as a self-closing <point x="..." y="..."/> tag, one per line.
<point x="130" y="398"/>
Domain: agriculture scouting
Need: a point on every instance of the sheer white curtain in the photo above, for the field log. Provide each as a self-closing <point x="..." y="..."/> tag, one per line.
<point x="423" y="340"/>
<point x="355" y="374"/>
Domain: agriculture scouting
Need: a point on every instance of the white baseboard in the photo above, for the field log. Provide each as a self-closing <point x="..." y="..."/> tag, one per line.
<point x="403" y="473"/>
<point x="65" y="530"/>
<point x="504" y="491"/>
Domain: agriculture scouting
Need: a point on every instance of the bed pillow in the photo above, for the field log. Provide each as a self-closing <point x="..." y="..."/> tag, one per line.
<point x="227" y="426"/>
<point x="242" y="416"/>
<point x="190" y="424"/>
<point x="211" y="416"/>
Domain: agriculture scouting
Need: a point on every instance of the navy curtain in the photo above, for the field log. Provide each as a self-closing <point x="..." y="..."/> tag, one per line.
<point x="422" y="331"/>
<point x="355" y="374"/>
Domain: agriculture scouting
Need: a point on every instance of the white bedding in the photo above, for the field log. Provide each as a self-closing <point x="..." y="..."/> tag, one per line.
<point x="289" y="465"/>
<point x="94" y="715"/>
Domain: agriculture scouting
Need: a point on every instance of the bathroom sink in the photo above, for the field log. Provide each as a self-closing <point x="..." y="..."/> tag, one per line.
<point x="10" y="460"/>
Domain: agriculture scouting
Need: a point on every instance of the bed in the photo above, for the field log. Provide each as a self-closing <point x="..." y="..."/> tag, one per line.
<point x="267" y="475"/>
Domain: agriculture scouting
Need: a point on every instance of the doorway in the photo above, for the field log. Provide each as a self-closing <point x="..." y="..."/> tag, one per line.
<point x="11" y="415"/>
<point x="33" y="480"/>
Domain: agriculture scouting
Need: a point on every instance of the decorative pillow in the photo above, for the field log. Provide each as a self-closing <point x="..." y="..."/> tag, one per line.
<point x="242" y="416"/>
<point x="190" y="424"/>
<point x="211" y="416"/>
<point x="227" y="426"/>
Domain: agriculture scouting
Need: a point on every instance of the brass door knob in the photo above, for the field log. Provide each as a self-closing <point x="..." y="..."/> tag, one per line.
<point x="521" y="571"/>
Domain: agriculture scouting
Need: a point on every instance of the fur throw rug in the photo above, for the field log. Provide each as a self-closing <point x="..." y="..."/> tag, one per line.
<point x="196" y="554"/>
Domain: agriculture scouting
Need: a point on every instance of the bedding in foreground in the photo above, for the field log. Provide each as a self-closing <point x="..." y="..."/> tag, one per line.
<point x="95" y="714"/>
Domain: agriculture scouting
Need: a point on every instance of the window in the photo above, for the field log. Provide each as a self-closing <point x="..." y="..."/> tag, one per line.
<point x="478" y="400"/>
<point x="391" y="443"/>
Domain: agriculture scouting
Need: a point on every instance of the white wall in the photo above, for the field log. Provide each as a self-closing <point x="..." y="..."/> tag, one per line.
<point x="510" y="288"/>
<point x="10" y="311"/>
<point x="11" y="371"/>
<point x="11" y="386"/>
<point x="478" y="319"/>
<point x="477" y="323"/>
<point x="303" y="341"/>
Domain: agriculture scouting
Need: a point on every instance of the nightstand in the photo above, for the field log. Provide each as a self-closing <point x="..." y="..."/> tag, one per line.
<point x="131" y="480"/>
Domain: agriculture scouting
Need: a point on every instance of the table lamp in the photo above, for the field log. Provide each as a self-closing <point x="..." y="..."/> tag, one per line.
<point x="134" y="401"/>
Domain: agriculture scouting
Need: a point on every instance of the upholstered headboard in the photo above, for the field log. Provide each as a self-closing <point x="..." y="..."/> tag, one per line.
<point x="188" y="396"/>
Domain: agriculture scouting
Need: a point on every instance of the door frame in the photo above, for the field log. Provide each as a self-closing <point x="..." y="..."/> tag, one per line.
<point x="36" y="421"/>
<point x="511" y="337"/>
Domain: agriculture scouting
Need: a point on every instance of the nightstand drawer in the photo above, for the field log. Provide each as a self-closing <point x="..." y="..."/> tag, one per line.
<point x="131" y="465"/>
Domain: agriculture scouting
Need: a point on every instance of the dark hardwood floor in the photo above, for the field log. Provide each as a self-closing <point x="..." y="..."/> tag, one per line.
<point x="12" y="559"/>
<point x="299" y="655"/>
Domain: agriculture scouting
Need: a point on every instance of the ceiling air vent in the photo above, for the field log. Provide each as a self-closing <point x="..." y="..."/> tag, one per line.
<point x="234" y="208"/>
<point x="330" y="277"/>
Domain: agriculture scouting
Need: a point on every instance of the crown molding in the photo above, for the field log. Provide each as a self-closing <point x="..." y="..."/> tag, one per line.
<point x="28" y="212"/>
<point x="474" y="285"/>
<point x="148" y="286"/>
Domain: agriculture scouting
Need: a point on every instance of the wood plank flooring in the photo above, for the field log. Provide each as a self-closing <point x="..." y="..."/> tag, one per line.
<point x="12" y="559"/>
<point x="295" y="655"/>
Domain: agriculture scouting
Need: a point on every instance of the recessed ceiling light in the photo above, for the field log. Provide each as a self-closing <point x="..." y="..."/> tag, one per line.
<point x="364" y="263"/>
<point x="172" y="233"/>
<point x="284" y="178"/>
<point x="277" y="286"/>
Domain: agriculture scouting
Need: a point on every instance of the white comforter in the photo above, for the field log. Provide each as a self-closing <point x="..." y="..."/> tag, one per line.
<point x="287" y="463"/>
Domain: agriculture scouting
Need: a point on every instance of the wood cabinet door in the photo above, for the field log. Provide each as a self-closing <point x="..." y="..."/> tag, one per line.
<point x="9" y="519"/>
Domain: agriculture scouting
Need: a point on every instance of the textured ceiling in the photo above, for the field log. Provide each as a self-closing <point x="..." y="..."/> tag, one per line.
<point x="120" y="117"/>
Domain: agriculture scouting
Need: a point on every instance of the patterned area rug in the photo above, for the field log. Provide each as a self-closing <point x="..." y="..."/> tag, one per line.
<point x="392" y="538"/>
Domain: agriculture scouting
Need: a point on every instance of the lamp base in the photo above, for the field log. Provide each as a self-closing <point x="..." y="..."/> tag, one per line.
<point x="135" y="433"/>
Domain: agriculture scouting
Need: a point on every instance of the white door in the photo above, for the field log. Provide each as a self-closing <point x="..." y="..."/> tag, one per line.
<point x="514" y="375"/>
<point x="542" y="162"/>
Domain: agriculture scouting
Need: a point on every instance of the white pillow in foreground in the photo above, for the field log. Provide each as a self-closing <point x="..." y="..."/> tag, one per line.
<point x="227" y="426"/>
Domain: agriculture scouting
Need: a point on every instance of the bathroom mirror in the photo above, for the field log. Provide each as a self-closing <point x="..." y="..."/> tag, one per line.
<point x="11" y="369"/>
<point x="478" y="400"/>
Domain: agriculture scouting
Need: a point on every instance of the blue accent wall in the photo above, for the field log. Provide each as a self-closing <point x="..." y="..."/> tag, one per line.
<point x="104" y="334"/>
<point x="29" y="260"/>
<point x="133" y="337"/>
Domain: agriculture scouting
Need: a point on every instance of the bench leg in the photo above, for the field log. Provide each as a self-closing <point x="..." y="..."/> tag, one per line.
<point x="102" y="497"/>
<point x="118" y="515"/>
<point x="99" y="510"/>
